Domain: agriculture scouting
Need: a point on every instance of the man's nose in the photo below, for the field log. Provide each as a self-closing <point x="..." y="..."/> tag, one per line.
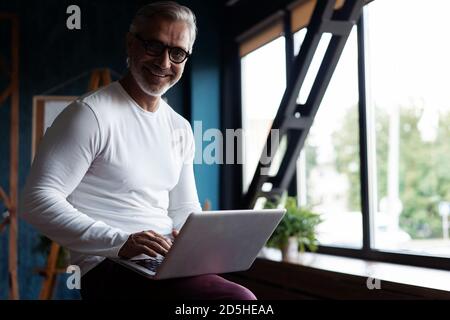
<point x="163" y="60"/>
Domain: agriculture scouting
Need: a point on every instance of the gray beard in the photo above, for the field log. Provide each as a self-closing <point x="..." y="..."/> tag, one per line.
<point x="143" y="84"/>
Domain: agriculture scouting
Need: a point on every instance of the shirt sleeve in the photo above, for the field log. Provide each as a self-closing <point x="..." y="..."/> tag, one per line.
<point x="183" y="198"/>
<point x="65" y="154"/>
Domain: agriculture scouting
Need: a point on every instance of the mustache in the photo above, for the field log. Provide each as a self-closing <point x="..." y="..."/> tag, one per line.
<point x="157" y="70"/>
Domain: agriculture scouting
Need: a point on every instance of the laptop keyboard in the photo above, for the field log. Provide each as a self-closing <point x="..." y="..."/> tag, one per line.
<point x="151" y="264"/>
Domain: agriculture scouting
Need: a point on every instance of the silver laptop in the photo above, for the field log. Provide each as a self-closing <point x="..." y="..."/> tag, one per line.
<point x="211" y="242"/>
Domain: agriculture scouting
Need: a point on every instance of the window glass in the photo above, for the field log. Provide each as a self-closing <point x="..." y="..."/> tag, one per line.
<point x="263" y="78"/>
<point x="329" y="167"/>
<point x="408" y="69"/>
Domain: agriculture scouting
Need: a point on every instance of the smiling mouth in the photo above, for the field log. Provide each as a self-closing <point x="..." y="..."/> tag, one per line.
<point x="156" y="74"/>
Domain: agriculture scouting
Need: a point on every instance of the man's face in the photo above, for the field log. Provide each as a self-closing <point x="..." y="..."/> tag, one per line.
<point x="156" y="74"/>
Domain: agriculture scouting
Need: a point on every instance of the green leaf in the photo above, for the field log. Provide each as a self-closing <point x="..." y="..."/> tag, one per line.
<point x="298" y="222"/>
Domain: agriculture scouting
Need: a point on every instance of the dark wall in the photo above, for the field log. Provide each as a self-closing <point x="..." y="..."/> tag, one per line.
<point x="51" y="55"/>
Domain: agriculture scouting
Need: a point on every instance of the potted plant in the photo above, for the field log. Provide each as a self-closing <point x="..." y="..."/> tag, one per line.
<point x="297" y="229"/>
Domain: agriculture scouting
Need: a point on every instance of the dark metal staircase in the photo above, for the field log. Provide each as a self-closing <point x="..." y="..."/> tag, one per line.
<point x="295" y="120"/>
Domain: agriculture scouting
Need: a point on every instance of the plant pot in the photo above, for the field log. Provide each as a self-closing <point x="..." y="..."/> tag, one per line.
<point x="290" y="251"/>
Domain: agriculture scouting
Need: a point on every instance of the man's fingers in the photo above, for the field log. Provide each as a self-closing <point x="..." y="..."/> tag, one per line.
<point x="175" y="233"/>
<point x="146" y="250"/>
<point x="166" y="243"/>
<point x="155" y="246"/>
<point x="153" y="236"/>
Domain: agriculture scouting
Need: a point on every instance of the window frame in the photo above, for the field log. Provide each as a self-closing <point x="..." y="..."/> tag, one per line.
<point x="367" y="205"/>
<point x="232" y="83"/>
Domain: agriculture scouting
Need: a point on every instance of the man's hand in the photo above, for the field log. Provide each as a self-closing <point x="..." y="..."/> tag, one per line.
<point x="145" y="242"/>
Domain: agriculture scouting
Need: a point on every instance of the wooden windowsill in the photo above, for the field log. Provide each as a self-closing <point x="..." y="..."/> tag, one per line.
<point x="395" y="273"/>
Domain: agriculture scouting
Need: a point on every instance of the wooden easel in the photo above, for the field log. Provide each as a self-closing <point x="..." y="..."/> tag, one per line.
<point x="99" y="78"/>
<point x="10" y="200"/>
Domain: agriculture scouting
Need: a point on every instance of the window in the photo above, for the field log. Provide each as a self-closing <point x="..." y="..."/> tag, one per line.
<point x="404" y="130"/>
<point x="328" y="167"/>
<point x="330" y="156"/>
<point x="409" y="72"/>
<point x="263" y="77"/>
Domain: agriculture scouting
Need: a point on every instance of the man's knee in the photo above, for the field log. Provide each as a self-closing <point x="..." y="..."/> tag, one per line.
<point x="208" y="287"/>
<point x="242" y="293"/>
<point x="235" y="291"/>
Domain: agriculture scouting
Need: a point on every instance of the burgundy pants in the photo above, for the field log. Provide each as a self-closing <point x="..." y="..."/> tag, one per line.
<point x="109" y="280"/>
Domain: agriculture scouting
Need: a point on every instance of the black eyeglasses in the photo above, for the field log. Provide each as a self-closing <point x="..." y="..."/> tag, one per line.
<point x="156" y="48"/>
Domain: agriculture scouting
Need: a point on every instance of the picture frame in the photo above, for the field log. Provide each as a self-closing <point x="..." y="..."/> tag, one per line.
<point x="45" y="110"/>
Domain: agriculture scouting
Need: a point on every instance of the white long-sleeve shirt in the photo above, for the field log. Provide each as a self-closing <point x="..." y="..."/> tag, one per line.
<point x="107" y="168"/>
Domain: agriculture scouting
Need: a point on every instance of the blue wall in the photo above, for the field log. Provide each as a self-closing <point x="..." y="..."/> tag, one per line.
<point x="205" y="99"/>
<point x="50" y="54"/>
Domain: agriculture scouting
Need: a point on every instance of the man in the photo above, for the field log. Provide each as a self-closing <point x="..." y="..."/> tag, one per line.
<point x="114" y="173"/>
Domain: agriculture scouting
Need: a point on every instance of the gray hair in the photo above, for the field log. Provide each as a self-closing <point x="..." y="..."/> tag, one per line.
<point x="167" y="9"/>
